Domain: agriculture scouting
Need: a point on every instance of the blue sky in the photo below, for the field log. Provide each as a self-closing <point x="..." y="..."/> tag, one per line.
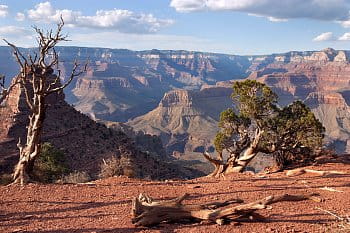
<point x="224" y="26"/>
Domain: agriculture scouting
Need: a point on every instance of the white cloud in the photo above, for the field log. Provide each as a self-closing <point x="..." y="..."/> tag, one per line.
<point x="188" y="5"/>
<point x="345" y="24"/>
<point x="326" y="36"/>
<point x="20" y="16"/>
<point x="121" y="20"/>
<point x="329" y="36"/>
<point x="274" y="10"/>
<point x="270" y="18"/>
<point x="145" y="41"/>
<point x="345" y="37"/>
<point x="3" y="11"/>
<point x="17" y="35"/>
<point x="14" y="31"/>
<point x="273" y="19"/>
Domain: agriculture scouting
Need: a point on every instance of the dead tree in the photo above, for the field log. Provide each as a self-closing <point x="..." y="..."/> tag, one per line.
<point x="38" y="80"/>
<point x="146" y="212"/>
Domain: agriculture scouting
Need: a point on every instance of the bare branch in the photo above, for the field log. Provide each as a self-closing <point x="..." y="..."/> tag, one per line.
<point x="37" y="81"/>
<point x="210" y="159"/>
<point x="73" y="74"/>
<point x="18" y="55"/>
<point x="26" y="92"/>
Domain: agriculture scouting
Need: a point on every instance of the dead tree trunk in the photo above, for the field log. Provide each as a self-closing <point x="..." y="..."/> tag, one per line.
<point x="31" y="149"/>
<point x="38" y="81"/>
<point x="147" y="212"/>
<point x="234" y="162"/>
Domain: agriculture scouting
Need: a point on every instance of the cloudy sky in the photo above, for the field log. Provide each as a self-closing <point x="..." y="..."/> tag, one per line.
<point x="225" y="26"/>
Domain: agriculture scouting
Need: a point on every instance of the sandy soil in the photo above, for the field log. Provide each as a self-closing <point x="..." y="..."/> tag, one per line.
<point x="104" y="205"/>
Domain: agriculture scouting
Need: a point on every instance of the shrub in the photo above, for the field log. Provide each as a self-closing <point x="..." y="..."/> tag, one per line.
<point x="50" y="165"/>
<point x="75" y="177"/>
<point x="114" y="167"/>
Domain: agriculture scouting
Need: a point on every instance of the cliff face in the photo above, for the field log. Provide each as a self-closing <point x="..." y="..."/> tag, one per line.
<point x="84" y="142"/>
<point x="323" y="84"/>
<point x="122" y="85"/>
<point x="186" y="120"/>
<point x="333" y="110"/>
<point x="122" y="89"/>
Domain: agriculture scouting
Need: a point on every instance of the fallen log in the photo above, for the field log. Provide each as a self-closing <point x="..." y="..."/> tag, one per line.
<point x="300" y="171"/>
<point x="147" y="212"/>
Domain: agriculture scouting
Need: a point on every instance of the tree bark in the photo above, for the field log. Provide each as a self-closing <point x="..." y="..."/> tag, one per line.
<point x="31" y="149"/>
<point x="235" y="163"/>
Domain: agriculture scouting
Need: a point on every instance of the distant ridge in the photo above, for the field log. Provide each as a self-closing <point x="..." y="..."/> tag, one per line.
<point x="122" y="85"/>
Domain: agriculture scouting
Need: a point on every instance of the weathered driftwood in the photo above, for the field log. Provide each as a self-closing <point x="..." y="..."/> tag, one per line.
<point x="300" y="171"/>
<point x="147" y="212"/>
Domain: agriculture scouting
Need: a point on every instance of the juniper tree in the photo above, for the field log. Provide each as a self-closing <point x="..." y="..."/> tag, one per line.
<point x="256" y="124"/>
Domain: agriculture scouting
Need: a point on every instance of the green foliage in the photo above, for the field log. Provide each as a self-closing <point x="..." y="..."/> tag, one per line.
<point x="219" y="141"/>
<point x="296" y="132"/>
<point x="232" y="126"/>
<point x="253" y="99"/>
<point x="300" y="125"/>
<point x="50" y="165"/>
<point x="289" y="131"/>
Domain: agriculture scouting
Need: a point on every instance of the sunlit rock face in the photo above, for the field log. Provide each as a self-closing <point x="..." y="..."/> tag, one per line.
<point x="322" y="80"/>
<point x="187" y="122"/>
<point x="130" y="86"/>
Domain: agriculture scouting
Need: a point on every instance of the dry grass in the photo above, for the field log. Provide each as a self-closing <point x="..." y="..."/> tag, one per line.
<point x="75" y="178"/>
<point x="113" y="167"/>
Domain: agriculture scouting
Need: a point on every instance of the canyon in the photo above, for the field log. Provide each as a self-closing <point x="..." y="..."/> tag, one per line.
<point x="178" y="95"/>
<point x="86" y="144"/>
<point x="186" y="120"/>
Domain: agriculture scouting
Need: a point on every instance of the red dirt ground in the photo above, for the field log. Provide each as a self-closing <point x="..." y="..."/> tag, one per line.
<point x="104" y="206"/>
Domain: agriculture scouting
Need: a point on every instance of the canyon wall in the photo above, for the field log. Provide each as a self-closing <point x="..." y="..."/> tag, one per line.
<point x="84" y="142"/>
<point x="179" y="95"/>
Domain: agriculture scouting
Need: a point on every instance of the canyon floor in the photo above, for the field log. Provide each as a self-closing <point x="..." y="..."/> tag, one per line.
<point x="104" y="205"/>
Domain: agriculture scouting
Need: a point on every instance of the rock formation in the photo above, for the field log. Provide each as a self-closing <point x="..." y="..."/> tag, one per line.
<point x="122" y="85"/>
<point x="186" y="120"/>
<point x="322" y="81"/>
<point x="84" y="142"/>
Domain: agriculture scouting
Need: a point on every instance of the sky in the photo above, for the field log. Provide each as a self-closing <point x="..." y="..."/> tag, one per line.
<point x="243" y="27"/>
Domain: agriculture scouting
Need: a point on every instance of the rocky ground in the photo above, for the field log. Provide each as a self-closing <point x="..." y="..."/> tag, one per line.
<point x="104" y="205"/>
